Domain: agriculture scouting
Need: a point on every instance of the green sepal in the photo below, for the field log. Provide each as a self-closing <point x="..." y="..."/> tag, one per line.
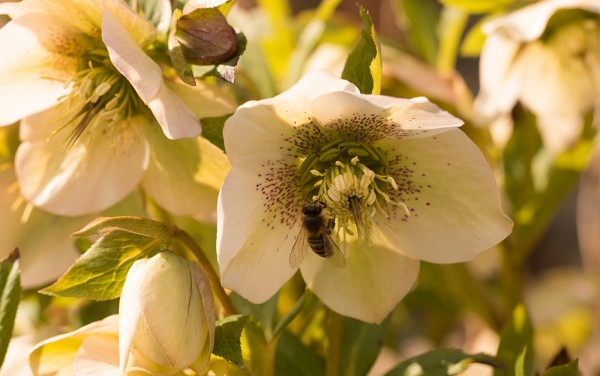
<point x="442" y="362"/>
<point x="363" y="66"/>
<point x="99" y="274"/>
<point x="227" y="339"/>
<point x="10" y="295"/>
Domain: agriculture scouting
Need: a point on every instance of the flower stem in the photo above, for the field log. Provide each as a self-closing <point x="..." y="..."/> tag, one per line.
<point x="451" y="27"/>
<point x="215" y="282"/>
<point x="334" y="350"/>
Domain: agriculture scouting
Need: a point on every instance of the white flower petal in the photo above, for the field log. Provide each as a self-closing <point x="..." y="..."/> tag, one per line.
<point x="255" y="236"/>
<point x="39" y="263"/>
<point x="97" y="356"/>
<point x="528" y="23"/>
<point x="374" y="280"/>
<point x="130" y="311"/>
<point x="175" y="118"/>
<point x="142" y="72"/>
<point x="35" y="66"/>
<point x="500" y="82"/>
<point x="453" y="198"/>
<point x="184" y="176"/>
<point x="204" y="99"/>
<point x="95" y="173"/>
<point x="376" y="116"/>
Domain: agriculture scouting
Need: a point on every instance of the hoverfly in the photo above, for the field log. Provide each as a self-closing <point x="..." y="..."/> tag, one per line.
<point x="316" y="235"/>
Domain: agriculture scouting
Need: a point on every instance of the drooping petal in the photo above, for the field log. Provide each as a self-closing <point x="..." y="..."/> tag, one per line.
<point x="255" y="235"/>
<point x="184" y="176"/>
<point x="175" y="118"/>
<point x="278" y="116"/>
<point x="35" y="65"/>
<point x="451" y="194"/>
<point x="372" y="117"/>
<point x="374" y="280"/>
<point x="95" y="173"/>
<point x="140" y="70"/>
<point x="40" y="264"/>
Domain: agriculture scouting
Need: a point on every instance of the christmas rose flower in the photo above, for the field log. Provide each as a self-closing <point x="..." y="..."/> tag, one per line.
<point x="397" y="178"/>
<point x="546" y="56"/>
<point x="82" y="78"/>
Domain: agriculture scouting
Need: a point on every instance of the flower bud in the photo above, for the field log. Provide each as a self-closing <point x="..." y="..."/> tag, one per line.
<point x="205" y="37"/>
<point x="166" y="316"/>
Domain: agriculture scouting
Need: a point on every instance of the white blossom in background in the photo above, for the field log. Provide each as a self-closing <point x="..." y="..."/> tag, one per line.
<point x="402" y="182"/>
<point x="80" y="76"/>
<point x="546" y="56"/>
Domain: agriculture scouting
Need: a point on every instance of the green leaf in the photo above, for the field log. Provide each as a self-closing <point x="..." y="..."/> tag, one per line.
<point x="571" y="369"/>
<point x="363" y="66"/>
<point x="99" y="273"/>
<point x="264" y="313"/>
<point x="296" y="359"/>
<point x="443" y="362"/>
<point x="421" y="17"/>
<point x="361" y="343"/>
<point x="227" y="339"/>
<point x="135" y="225"/>
<point x="212" y="130"/>
<point x="10" y="295"/>
<point x="478" y="6"/>
<point x="515" y="347"/>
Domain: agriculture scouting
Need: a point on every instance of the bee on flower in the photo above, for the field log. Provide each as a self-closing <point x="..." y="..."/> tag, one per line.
<point x="101" y="112"/>
<point x="400" y="182"/>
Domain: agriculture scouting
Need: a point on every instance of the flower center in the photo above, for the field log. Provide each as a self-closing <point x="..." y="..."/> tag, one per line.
<point x="107" y="96"/>
<point x="352" y="179"/>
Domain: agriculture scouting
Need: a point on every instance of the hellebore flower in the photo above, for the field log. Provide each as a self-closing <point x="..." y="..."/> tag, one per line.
<point x="165" y="325"/>
<point x="91" y="100"/>
<point x="399" y="181"/>
<point x="547" y="56"/>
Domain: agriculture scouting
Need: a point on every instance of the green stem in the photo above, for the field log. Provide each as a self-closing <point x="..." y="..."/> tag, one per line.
<point x="204" y="262"/>
<point x="451" y="28"/>
<point x="334" y="350"/>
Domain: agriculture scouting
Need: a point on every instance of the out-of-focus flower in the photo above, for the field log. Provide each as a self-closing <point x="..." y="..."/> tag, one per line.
<point x="165" y="324"/>
<point x="43" y="239"/>
<point x="547" y="56"/>
<point x="81" y="76"/>
<point x="166" y="315"/>
<point x="402" y="183"/>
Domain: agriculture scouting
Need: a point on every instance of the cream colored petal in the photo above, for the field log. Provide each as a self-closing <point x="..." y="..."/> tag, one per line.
<point x="97" y="356"/>
<point x="99" y="170"/>
<point x="373" y="282"/>
<point x="184" y="176"/>
<point x="175" y="118"/>
<point x="142" y="72"/>
<point x="451" y="194"/>
<point x="55" y="355"/>
<point x="205" y="99"/>
<point x="372" y="117"/>
<point x="255" y="233"/>
<point x="139" y="28"/>
<point x="36" y="65"/>
<point x="528" y="23"/>
<point x="499" y="81"/>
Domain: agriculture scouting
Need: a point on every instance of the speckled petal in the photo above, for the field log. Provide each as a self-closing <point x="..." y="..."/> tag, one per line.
<point x="372" y="117"/>
<point x="278" y="116"/>
<point x="453" y="198"/>
<point x="374" y="280"/>
<point x="255" y="236"/>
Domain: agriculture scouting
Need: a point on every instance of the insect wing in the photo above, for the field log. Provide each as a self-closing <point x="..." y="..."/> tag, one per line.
<point x="299" y="249"/>
<point x="334" y="253"/>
